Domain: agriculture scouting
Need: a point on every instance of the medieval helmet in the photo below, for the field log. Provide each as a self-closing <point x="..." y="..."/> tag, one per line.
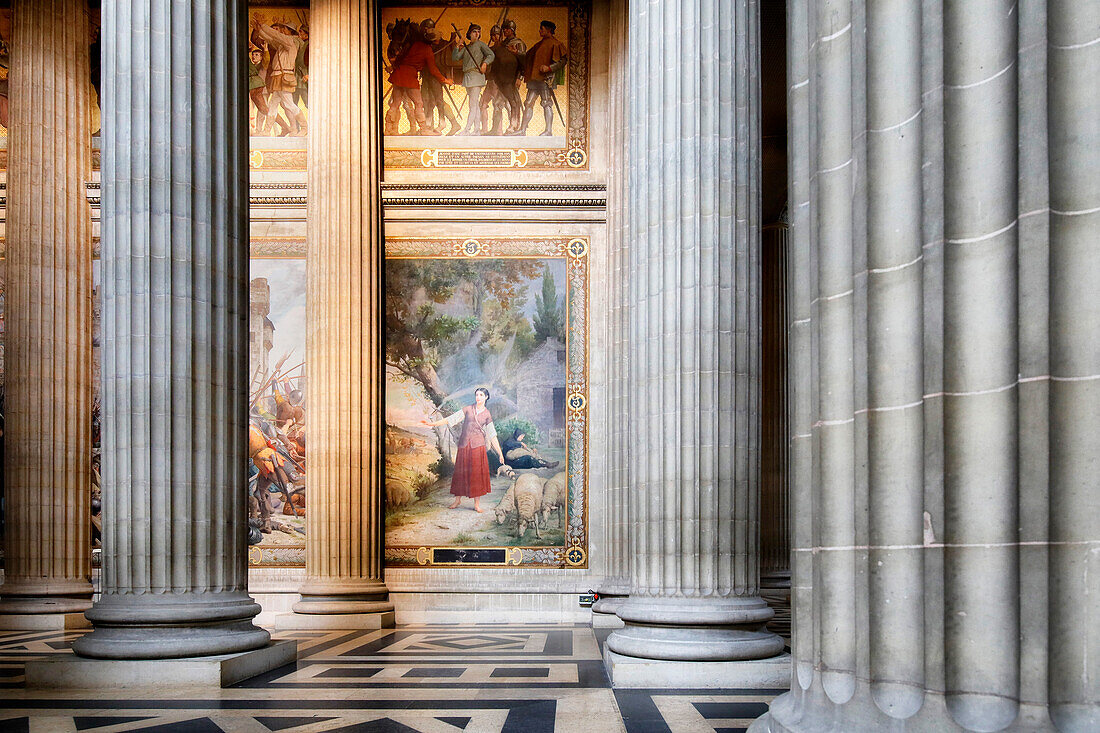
<point x="508" y="25"/>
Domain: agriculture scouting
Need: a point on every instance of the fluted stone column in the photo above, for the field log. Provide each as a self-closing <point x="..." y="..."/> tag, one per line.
<point x="47" y="401"/>
<point x="775" y="534"/>
<point x="344" y="339"/>
<point x="175" y="334"/>
<point x="694" y="341"/>
<point x="950" y="585"/>
<point x="616" y="583"/>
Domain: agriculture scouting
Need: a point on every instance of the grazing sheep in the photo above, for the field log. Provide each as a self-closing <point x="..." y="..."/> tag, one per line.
<point x="554" y="494"/>
<point x="528" y="500"/>
<point x="506" y="505"/>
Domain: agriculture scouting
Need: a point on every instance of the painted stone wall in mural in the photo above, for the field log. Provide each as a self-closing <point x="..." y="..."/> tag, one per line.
<point x="472" y="85"/>
<point x="486" y="389"/>
<point x="278" y="410"/>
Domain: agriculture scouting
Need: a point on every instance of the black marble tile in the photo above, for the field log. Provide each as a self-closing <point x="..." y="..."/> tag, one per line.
<point x="92" y="722"/>
<point x="712" y="710"/>
<point x="640" y="713"/>
<point x="521" y="672"/>
<point x="350" y="672"/>
<point x="385" y="725"/>
<point x="198" y="725"/>
<point x="531" y="717"/>
<point x="274" y="723"/>
<point x="435" y="672"/>
<point x="455" y="721"/>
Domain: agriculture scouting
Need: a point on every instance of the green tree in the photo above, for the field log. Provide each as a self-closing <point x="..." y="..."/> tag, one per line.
<point x="549" y="318"/>
<point x="435" y="308"/>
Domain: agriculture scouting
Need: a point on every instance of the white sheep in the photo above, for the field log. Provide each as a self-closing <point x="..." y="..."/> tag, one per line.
<point x="554" y="494"/>
<point x="506" y="505"/>
<point x="528" y="501"/>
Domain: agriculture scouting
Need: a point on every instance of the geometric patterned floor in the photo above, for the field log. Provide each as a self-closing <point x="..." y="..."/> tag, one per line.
<point x="434" y="679"/>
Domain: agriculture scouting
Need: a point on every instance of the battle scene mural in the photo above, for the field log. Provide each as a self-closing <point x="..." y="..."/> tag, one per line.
<point x="471" y="85"/>
<point x="278" y="410"/>
<point x="486" y="397"/>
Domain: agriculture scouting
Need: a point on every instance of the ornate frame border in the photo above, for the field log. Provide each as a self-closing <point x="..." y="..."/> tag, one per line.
<point x="575" y="154"/>
<point x="573" y="553"/>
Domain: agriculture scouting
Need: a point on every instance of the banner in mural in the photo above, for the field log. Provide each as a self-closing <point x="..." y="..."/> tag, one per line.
<point x="486" y="402"/>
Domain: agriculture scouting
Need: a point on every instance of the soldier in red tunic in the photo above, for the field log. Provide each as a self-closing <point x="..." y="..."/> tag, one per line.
<point x="411" y="54"/>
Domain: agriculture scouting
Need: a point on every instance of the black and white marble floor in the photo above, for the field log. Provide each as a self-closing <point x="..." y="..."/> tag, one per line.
<point x="435" y="679"/>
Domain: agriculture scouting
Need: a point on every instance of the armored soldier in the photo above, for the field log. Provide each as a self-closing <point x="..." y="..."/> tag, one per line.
<point x="411" y="54"/>
<point x="504" y="77"/>
<point x="516" y="45"/>
<point x="541" y="67"/>
<point x="430" y="88"/>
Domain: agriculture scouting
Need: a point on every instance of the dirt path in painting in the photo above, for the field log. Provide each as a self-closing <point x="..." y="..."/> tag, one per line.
<point x="430" y="521"/>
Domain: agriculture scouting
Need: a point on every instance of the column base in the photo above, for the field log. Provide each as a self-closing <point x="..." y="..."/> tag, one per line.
<point x="19" y="599"/>
<point x="336" y="621"/>
<point x="759" y="674"/>
<point x="171" y="626"/>
<point x="70" y="672"/>
<point x="44" y="622"/>
<point x="325" y="596"/>
<point x="695" y="629"/>
<point x="605" y="610"/>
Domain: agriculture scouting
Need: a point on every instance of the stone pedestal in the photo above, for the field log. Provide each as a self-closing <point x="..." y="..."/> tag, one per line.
<point x="44" y="622"/>
<point x="605" y="610"/>
<point x="945" y="355"/>
<point x="47" y="361"/>
<point x="344" y="335"/>
<point x="358" y="620"/>
<point x="175" y="335"/>
<point x="221" y="670"/>
<point x="694" y="343"/>
<point x="758" y="674"/>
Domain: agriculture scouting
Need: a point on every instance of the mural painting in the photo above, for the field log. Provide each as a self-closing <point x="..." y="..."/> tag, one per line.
<point x="486" y="85"/>
<point x="278" y="87"/>
<point x="486" y="396"/>
<point x="278" y="410"/>
<point x="94" y="49"/>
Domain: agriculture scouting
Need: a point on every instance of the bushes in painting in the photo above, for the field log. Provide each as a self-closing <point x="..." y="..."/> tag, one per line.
<point x="505" y="429"/>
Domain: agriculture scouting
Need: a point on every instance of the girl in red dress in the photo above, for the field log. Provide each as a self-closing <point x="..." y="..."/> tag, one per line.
<point x="471" y="476"/>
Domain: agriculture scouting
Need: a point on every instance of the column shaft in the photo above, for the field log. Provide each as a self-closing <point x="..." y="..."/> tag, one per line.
<point x="616" y="583"/>
<point x="981" y="593"/>
<point x="775" y="539"/>
<point x="343" y="295"/>
<point x="694" y="337"/>
<point x="1074" y="145"/>
<point x="175" y="334"/>
<point x="48" y="390"/>
<point x="895" y="348"/>
<point x="975" y="561"/>
<point x="834" y="429"/>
